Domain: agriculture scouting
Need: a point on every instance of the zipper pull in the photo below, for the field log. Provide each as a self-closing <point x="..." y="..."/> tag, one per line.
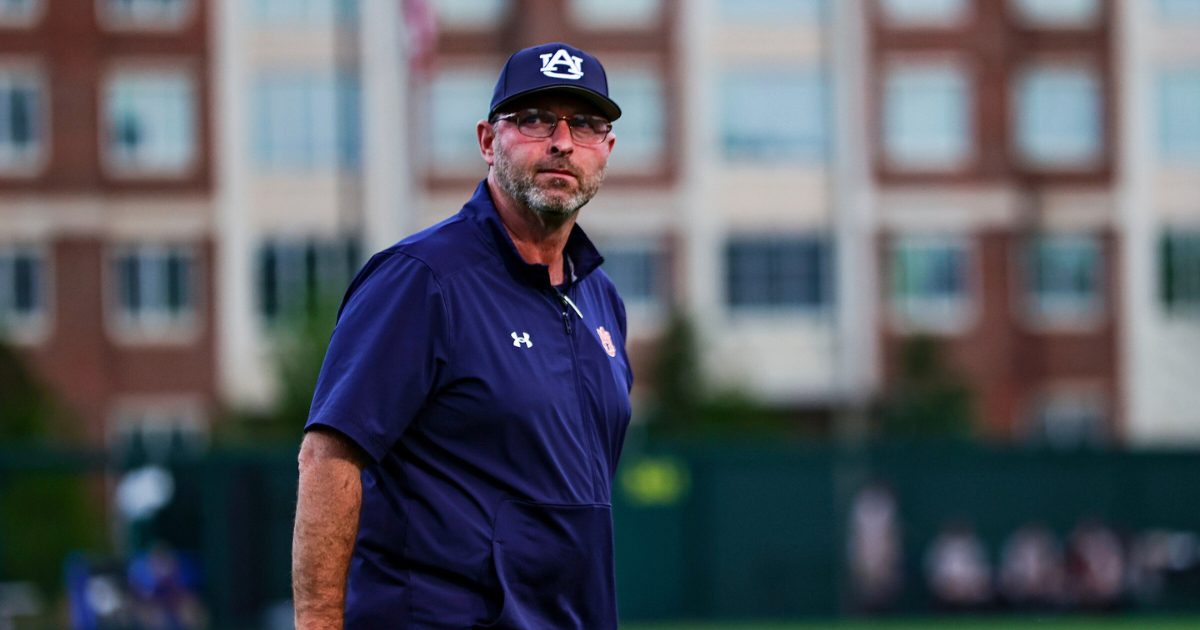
<point x="566" y="302"/>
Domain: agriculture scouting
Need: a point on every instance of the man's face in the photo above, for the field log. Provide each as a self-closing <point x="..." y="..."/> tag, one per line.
<point x="554" y="176"/>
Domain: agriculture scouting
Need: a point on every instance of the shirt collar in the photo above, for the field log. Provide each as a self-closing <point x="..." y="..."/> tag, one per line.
<point x="581" y="255"/>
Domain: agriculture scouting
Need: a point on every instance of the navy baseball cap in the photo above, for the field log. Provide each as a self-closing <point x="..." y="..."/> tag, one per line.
<point x="553" y="67"/>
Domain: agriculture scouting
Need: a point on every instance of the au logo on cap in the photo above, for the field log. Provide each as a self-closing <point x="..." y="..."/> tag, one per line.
<point x="551" y="63"/>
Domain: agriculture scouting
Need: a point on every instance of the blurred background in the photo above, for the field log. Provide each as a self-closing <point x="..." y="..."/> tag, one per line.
<point x="913" y="287"/>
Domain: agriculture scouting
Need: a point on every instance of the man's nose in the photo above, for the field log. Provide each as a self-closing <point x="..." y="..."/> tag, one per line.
<point x="561" y="140"/>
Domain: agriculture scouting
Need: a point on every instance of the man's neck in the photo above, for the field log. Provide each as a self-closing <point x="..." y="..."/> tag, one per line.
<point x="538" y="240"/>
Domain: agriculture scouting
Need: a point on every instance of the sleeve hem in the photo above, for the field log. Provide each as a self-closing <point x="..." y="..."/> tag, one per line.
<point x="352" y="430"/>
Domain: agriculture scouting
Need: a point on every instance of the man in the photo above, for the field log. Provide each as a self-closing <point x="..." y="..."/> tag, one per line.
<point x="457" y="466"/>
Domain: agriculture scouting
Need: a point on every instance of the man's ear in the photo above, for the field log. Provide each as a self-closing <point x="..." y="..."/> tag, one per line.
<point x="487" y="141"/>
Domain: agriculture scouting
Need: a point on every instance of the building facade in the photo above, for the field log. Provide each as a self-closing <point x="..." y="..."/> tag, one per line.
<point x="816" y="184"/>
<point x="106" y="211"/>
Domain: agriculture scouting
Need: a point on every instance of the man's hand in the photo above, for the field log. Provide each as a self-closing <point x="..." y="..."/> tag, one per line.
<point x="327" y="508"/>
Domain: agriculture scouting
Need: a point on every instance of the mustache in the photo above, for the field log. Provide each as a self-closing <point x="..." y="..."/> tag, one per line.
<point x="563" y="164"/>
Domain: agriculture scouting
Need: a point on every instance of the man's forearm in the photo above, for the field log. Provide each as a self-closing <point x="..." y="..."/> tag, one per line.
<point x="327" y="509"/>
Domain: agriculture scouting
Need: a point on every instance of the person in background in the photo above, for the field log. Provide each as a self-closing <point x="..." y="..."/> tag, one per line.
<point x="958" y="569"/>
<point x="1031" y="569"/>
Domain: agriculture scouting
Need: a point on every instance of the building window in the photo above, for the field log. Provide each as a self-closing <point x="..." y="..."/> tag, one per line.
<point x="458" y="99"/>
<point x="151" y="123"/>
<point x="21" y="127"/>
<point x="774" y="116"/>
<point x="777" y="273"/>
<point x="146" y="13"/>
<point x="616" y="13"/>
<point x="1175" y="11"/>
<point x="299" y="279"/>
<point x="471" y="14"/>
<point x="1179" y="263"/>
<point x="1059" y="118"/>
<point x="22" y="288"/>
<point x="641" y="129"/>
<point x="1070" y="419"/>
<point x="158" y="430"/>
<point x="773" y="11"/>
<point x="928" y="118"/>
<point x="1179" y="121"/>
<point x="637" y="270"/>
<point x="1059" y="13"/>
<point x="1065" y="279"/>
<point x="303" y="13"/>
<point x="927" y="13"/>
<point x="19" y="12"/>
<point x="308" y="122"/>
<point x="155" y="286"/>
<point x="931" y="282"/>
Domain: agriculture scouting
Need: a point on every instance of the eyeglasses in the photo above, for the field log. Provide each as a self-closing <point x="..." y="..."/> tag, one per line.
<point x="539" y="123"/>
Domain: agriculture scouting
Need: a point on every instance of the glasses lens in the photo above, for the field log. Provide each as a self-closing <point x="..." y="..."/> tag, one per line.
<point x="585" y="128"/>
<point x="588" y="129"/>
<point x="536" y="123"/>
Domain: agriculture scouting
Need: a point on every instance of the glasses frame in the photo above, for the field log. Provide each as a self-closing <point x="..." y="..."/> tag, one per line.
<point x="601" y="138"/>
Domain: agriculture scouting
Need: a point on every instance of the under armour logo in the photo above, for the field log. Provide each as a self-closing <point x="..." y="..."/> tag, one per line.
<point x="522" y="338"/>
<point x="561" y="58"/>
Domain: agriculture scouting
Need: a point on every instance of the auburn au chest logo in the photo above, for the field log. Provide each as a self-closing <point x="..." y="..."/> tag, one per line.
<point x="606" y="341"/>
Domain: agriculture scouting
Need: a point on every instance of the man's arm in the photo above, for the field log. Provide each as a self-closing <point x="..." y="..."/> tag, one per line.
<point x="327" y="510"/>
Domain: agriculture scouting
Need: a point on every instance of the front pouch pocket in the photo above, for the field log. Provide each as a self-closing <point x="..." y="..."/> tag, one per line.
<point x="554" y="566"/>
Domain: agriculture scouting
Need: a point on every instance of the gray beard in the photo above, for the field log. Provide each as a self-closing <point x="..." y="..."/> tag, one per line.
<point x="521" y="186"/>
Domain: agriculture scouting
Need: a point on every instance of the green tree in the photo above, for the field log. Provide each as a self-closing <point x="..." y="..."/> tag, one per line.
<point x="928" y="401"/>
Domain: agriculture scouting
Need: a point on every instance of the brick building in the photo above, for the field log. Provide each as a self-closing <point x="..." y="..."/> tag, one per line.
<point x="106" y="209"/>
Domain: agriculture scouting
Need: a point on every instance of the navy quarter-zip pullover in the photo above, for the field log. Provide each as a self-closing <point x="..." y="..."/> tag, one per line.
<point x="494" y="406"/>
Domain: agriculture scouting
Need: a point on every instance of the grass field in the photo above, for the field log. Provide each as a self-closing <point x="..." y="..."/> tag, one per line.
<point x="1022" y="623"/>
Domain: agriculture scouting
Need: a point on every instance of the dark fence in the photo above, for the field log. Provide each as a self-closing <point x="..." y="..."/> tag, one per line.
<point x="701" y="532"/>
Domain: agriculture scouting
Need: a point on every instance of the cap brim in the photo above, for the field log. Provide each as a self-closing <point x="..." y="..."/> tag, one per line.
<point x="606" y="105"/>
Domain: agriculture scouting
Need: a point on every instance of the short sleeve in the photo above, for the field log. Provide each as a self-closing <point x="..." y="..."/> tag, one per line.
<point x="386" y="356"/>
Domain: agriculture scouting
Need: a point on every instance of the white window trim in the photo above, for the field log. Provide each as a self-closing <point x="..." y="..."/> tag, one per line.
<point x="1090" y="165"/>
<point x="29" y="20"/>
<point x="121" y="69"/>
<point x="129" y="331"/>
<point x="37" y="163"/>
<point x="470" y="168"/>
<point x="110" y="22"/>
<point x="189" y="408"/>
<point x="954" y="317"/>
<point x="823" y="313"/>
<point x="917" y="62"/>
<point x="1024" y="299"/>
<point x="35" y="330"/>
<point x="962" y="19"/>
<point x="1019" y="15"/>
<point x="1090" y="392"/>
<point x="656" y="21"/>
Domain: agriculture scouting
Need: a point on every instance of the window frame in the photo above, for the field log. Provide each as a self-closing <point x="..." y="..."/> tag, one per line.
<point x="964" y="17"/>
<point x="110" y="20"/>
<point x="920" y="314"/>
<point x="826" y="258"/>
<point x="818" y="153"/>
<point x="1018" y="12"/>
<point x="345" y="145"/>
<point x="350" y="248"/>
<point x="1083" y="316"/>
<point x="1190" y="155"/>
<point x="1170" y="305"/>
<point x="656" y="18"/>
<point x="32" y="329"/>
<point x="969" y="161"/>
<point x="31" y="18"/>
<point x="34" y="164"/>
<point x="1099" y="158"/>
<point x="155" y="327"/>
<point x="112" y="164"/>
